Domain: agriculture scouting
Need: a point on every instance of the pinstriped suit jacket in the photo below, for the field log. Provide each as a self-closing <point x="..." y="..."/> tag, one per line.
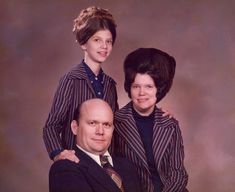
<point x="73" y="89"/>
<point x="167" y="149"/>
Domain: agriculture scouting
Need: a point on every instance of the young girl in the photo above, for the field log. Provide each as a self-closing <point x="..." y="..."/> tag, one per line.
<point x="95" y="31"/>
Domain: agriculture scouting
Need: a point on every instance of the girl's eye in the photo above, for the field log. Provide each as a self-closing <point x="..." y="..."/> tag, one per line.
<point x="110" y="42"/>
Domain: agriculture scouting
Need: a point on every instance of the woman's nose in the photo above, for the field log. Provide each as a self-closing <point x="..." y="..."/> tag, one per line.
<point x="141" y="91"/>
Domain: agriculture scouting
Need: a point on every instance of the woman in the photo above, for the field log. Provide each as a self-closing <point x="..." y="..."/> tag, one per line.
<point x="152" y="142"/>
<point x="95" y="31"/>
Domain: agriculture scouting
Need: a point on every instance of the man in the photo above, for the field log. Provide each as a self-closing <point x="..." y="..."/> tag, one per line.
<point x="93" y="129"/>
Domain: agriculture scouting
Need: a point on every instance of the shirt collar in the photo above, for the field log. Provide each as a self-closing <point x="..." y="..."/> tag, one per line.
<point x="96" y="158"/>
<point x="91" y="74"/>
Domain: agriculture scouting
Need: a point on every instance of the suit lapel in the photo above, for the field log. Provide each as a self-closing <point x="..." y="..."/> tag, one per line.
<point x="129" y="132"/>
<point x="80" y="73"/>
<point x="107" y="84"/>
<point x="95" y="172"/>
<point x="162" y="132"/>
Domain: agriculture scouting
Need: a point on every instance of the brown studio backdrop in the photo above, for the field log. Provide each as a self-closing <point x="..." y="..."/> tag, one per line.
<point x="37" y="47"/>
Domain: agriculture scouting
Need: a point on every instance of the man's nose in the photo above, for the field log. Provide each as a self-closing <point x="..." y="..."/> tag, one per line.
<point x="99" y="129"/>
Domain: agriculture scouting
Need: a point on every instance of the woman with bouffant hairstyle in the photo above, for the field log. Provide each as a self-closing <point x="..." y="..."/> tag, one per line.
<point x="160" y="69"/>
<point x="95" y="32"/>
<point x="152" y="142"/>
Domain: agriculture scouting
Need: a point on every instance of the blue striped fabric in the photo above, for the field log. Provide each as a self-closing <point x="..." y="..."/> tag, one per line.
<point x="168" y="149"/>
<point x="73" y="89"/>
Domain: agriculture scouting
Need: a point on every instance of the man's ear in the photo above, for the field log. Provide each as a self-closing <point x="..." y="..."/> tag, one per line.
<point x="74" y="127"/>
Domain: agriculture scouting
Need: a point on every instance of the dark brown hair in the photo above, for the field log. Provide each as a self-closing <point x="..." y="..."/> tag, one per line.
<point x="91" y="20"/>
<point x="157" y="64"/>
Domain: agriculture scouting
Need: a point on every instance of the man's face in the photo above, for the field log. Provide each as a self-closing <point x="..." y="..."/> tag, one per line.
<point x="95" y="127"/>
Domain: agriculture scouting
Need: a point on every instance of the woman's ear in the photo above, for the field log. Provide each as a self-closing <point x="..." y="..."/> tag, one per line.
<point x="74" y="127"/>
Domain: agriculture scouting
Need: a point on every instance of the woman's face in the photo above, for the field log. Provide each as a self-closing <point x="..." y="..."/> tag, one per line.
<point x="98" y="47"/>
<point x="143" y="94"/>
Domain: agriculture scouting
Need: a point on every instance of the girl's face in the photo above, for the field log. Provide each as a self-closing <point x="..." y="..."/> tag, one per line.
<point x="98" y="47"/>
<point x="143" y="94"/>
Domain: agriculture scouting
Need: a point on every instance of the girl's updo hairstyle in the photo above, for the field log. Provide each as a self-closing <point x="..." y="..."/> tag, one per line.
<point x="91" y="20"/>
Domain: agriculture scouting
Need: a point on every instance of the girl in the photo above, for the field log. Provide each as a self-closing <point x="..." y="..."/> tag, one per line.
<point x="95" y="31"/>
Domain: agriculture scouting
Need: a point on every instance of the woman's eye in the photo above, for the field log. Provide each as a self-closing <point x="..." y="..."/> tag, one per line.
<point x="96" y="40"/>
<point x="135" y="86"/>
<point x="149" y="86"/>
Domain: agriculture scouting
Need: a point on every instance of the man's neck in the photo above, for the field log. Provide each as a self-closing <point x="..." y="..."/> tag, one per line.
<point x="96" y="157"/>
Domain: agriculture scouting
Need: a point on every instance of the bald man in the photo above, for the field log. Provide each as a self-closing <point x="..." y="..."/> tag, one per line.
<point x="93" y="127"/>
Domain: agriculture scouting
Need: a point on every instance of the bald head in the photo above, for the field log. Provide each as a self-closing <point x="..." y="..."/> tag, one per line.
<point x="94" y="128"/>
<point x="95" y="105"/>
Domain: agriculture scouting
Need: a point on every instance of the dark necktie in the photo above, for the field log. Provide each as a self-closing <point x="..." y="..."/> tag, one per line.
<point x="111" y="172"/>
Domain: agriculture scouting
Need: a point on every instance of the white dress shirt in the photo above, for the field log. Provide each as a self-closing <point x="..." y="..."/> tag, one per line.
<point x="95" y="157"/>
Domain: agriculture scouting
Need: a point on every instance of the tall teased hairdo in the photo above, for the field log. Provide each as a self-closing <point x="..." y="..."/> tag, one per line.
<point x="156" y="63"/>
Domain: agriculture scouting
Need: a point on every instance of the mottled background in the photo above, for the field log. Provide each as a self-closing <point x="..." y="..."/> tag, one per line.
<point x="37" y="47"/>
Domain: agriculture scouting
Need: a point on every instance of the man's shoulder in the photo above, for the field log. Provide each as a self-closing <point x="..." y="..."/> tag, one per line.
<point x="63" y="165"/>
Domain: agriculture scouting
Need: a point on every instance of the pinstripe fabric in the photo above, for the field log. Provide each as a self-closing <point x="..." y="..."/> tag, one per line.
<point x="167" y="149"/>
<point x="73" y="89"/>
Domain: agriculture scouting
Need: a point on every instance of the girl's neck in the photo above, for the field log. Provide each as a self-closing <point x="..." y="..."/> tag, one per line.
<point x="94" y="66"/>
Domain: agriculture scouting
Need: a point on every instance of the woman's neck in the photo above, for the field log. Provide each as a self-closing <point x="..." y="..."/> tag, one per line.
<point x="144" y="112"/>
